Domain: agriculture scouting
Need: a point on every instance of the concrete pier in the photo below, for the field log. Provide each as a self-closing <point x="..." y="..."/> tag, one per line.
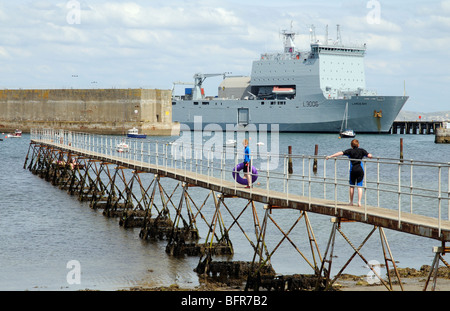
<point x="102" y="111"/>
<point x="415" y="127"/>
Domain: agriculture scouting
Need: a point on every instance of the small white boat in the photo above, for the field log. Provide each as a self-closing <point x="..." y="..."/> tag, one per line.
<point x="122" y="147"/>
<point x="16" y="134"/>
<point x="345" y="132"/>
<point x="134" y="133"/>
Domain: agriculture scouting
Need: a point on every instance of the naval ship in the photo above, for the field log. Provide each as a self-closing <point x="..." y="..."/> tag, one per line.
<point x="300" y="91"/>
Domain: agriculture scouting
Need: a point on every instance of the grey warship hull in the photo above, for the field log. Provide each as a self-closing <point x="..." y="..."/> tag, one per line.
<point x="294" y="92"/>
<point x="366" y="114"/>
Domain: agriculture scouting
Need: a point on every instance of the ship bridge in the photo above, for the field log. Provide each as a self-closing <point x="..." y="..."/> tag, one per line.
<point x="341" y="69"/>
<point x="338" y="50"/>
<point x="331" y="69"/>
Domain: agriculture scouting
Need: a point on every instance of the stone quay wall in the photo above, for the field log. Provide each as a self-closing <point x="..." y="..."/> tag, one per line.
<point x="102" y="111"/>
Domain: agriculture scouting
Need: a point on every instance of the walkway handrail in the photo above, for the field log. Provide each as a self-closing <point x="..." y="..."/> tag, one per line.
<point x="422" y="186"/>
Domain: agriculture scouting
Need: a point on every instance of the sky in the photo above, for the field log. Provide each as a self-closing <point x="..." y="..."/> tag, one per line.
<point x="151" y="44"/>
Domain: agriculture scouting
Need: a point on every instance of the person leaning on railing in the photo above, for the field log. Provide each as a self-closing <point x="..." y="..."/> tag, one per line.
<point x="355" y="154"/>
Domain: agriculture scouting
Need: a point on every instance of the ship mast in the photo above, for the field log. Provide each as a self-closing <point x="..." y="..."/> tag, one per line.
<point x="312" y="34"/>
<point x="289" y="37"/>
<point x="338" y="36"/>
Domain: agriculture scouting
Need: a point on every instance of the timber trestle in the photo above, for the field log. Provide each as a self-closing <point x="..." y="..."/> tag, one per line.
<point x="194" y="217"/>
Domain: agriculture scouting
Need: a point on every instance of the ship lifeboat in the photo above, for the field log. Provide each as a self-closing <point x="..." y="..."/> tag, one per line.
<point x="283" y="90"/>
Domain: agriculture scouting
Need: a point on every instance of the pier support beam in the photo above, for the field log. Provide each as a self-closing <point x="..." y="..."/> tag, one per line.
<point x="439" y="251"/>
<point x="260" y="276"/>
<point x="330" y="249"/>
<point x="157" y="222"/>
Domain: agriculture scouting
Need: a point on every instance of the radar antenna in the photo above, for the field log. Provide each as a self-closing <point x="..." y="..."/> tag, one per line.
<point x="312" y="33"/>
<point x="338" y="38"/>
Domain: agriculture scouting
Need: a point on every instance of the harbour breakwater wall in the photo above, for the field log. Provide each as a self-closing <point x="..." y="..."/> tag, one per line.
<point x="100" y="111"/>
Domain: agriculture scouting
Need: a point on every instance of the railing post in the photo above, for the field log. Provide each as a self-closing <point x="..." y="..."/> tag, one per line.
<point x="196" y="163"/>
<point x="185" y="163"/>
<point x="284" y="174"/>
<point x="411" y="187"/>
<point x="236" y="172"/>
<point x="335" y="185"/>
<point x="164" y="155"/>
<point x="439" y="198"/>
<point x="175" y="157"/>
<point x="303" y="175"/>
<point x="378" y="182"/>
<point x="286" y="163"/>
<point x="221" y="165"/>
<point x="365" y="188"/>
<point x="309" y="182"/>
<point x="208" y="164"/>
<point x="399" y="194"/>
<point x="324" y="178"/>
<point x="267" y="176"/>
<point x="157" y="155"/>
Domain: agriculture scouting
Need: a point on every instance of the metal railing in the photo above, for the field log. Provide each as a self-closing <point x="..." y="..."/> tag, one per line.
<point x="406" y="186"/>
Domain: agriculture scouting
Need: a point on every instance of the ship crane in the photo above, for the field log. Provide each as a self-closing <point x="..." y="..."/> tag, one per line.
<point x="180" y="83"/>
<point x="199" y="78"/>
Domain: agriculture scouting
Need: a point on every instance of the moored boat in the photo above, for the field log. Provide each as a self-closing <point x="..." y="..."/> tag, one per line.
<point x="122" y="147"/>
<point x="345" y="132"/>
<point x="134" y="133"/>
<point x="16" y="134"/>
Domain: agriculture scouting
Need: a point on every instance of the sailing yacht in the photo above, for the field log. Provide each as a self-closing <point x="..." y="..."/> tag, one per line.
<point x="345" y="131"/>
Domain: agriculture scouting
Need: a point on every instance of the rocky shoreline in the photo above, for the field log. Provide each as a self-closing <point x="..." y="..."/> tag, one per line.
<point x="412" y="280"/>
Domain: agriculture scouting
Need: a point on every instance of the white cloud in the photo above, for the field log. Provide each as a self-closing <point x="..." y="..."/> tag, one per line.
<point x="445" y="5"/>
<point x="4" y="53"/>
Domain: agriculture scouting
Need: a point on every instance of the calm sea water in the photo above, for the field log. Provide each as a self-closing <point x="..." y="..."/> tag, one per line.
<point x="42" y="228"/>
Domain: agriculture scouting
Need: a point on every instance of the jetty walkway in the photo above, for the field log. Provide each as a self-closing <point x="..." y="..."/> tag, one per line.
<point x="403" y="195"/>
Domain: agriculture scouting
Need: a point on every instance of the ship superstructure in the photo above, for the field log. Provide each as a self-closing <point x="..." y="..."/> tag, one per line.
<point x="301" y="91"/>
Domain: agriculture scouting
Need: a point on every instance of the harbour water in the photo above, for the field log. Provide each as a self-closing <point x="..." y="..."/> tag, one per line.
<point x="42" y="228"/>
